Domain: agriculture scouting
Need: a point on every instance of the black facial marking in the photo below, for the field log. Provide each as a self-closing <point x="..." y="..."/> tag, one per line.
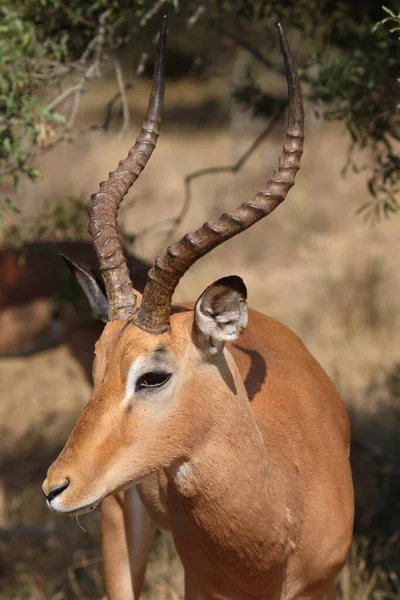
<point x="161" y="350"/>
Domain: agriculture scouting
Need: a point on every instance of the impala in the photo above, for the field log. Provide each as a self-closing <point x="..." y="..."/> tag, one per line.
<point x="241" y="449"/>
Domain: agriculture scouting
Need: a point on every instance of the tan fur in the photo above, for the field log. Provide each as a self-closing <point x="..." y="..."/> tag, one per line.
<point x="244" y="456"/>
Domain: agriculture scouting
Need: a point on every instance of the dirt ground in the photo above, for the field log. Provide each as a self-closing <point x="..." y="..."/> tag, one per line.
<point x="314" y="264"/>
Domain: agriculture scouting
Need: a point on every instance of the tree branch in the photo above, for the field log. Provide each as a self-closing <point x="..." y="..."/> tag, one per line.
<point x="239" y="41"/>
<point x="136" y="28"/>
<point x="63" y="96"/>
<point x="246" y="45"/>
<point x="110" y="104"/>
<point x="192" y="20"/>
<point x="72" y="14"/>
<point x="151" y="12"/>
<point x="92" y="71"/>
<point x="218" y="169"/>
<point x="122" y="95"/>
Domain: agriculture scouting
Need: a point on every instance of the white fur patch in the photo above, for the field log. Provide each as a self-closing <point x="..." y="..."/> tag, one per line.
<point x="224" y="327"/>
<point x="133" y="375"/>
<point x="181" y="471"/>
<point x="57" y="506"/>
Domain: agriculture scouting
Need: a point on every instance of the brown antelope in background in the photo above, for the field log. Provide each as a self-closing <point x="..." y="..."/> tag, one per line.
<point x="239" y="448"/>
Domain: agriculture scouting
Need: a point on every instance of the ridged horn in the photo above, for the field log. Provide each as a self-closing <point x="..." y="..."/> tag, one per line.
<point x="154" y="313"/>
<point x="103" y="212"/>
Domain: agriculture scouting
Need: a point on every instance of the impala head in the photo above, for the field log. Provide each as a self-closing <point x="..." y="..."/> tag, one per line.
<point x="158" y="373"/>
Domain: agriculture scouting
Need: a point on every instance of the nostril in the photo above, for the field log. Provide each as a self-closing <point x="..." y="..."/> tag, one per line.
<point x="58" y="489"/>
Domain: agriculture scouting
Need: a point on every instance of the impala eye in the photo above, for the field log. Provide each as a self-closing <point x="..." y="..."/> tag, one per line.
<point x="152" y="379"/>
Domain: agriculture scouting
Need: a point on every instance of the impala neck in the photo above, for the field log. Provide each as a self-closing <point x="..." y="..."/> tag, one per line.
<point x="227" y="488"/>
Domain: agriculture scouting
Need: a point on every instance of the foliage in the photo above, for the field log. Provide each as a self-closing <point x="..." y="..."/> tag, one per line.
<point x="21" y="118"/>
<point x="351" y="75"/>
<point x="51" y="51"/>
<point x="358" y="83"/>
<point x="62" y="219"/>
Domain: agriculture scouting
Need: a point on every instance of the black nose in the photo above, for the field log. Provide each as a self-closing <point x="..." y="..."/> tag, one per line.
<point x="58" y="489"/>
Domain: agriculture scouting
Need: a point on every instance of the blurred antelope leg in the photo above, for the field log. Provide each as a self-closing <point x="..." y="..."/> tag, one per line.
<point x="127" y="532"/>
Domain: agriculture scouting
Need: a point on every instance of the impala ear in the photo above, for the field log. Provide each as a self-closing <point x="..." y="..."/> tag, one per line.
<point x="91" y="285"/>
<point x="220" y="314"/>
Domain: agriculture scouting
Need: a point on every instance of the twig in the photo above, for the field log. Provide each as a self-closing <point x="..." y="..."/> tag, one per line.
<point x="219" y="169"/>
<point x="64" y="137"/>
<point x="83" y="563"/>
<point x="122" y="94"/>
<point x="192" y="20"/>
<point x="151" y="12"/>
<point x="74" y="110"/>
<point x="72" y="14"/>
<point x="101" y="39"/>
<point x="63" y="96"/>
<point x="92" y="72"/>
<point x="110" y="104"/>
<point x="245" y="44"/>
<point x="136" y="28"/>
<point x="87" y="51"/>
<point x="56" y="71"/>
<point x="154" y="226"/>
<point x="74" y="582"/>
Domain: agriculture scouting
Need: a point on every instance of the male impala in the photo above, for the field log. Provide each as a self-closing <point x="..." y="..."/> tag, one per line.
<point x="240" y="449"/>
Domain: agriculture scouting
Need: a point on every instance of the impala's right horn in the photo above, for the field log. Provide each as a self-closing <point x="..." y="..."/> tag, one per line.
<point x="154" y="312"/>
<point x="103" y="213"/>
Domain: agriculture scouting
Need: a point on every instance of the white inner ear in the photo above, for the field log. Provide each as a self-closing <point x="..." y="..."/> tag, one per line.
<point x="96" y="298"/>
<point x="222" y="318"/>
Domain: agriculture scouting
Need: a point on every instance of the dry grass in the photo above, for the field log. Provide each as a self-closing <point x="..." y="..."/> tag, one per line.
<point x="314" y="265"/>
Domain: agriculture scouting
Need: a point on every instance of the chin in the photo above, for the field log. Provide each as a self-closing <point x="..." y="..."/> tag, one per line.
<point x="75" y="511"/>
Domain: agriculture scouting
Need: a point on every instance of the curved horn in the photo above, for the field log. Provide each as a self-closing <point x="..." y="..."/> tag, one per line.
<point x="103" y="212"/>
<point x="154" y="312"/>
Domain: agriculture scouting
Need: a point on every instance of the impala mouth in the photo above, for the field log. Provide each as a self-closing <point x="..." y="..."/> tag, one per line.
<point x="72" y="512"/>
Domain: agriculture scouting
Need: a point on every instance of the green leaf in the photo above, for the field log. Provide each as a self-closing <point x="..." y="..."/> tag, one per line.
<point x="389" y="12"/>
<point x="58" y="118"/>
<point x="17" y="183"/>
<point x="7" y="204"/>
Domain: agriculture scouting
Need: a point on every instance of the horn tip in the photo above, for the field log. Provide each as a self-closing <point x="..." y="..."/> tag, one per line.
<point x="162" y="41"/>
<point x="287" y="55"/>
<point x="163" y="30"/>
<point x="281" y="34"/>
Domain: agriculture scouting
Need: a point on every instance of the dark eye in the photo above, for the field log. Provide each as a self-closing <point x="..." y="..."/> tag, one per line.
<point x="153" y="379"/>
